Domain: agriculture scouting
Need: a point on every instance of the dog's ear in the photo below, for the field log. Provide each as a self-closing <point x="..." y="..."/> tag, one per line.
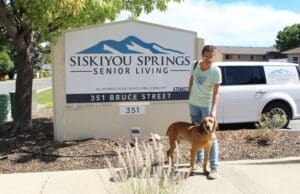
<point x="201" y="124"/>
<point x="201" y="127"/>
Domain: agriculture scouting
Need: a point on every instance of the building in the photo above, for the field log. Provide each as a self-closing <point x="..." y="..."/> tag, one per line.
<point x="293" y="55"/>
<point x="237" y="53"/>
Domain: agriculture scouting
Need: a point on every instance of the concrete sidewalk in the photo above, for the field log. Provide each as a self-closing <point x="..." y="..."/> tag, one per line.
<point x="236" y="177"/>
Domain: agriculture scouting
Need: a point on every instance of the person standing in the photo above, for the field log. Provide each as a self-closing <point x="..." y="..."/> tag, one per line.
<point x="205" y="79"/>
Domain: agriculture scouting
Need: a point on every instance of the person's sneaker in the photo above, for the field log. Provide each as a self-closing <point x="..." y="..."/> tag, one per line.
<point x="213" y="174"/>
<point x="198" y="166"/>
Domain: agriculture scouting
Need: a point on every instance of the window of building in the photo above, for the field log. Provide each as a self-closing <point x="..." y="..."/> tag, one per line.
<point x="264" y="57"/>
<point x="251" y="57"/>
<point x="228" y="56"/>
<point x="295" y="60"/>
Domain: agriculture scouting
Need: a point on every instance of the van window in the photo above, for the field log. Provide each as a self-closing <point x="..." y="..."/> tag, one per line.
<point x="243" y="75"/>
<point x="298" y="69"/>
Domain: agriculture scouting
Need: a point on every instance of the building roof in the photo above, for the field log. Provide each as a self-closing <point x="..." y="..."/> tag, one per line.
<point x="245" y="50"/>
<point x="292" y="51"/>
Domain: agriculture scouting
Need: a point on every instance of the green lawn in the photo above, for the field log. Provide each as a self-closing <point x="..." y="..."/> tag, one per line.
<point x="45" y="98"/>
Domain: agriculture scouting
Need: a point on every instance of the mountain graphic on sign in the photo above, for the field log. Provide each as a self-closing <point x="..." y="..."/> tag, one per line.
<point x="130" y="45"/>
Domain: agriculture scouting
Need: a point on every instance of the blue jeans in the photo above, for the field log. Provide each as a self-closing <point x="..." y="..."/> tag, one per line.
<point x="197" y="115"/>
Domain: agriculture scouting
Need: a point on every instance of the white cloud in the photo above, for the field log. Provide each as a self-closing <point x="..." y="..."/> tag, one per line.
<point x="239" y="24"/>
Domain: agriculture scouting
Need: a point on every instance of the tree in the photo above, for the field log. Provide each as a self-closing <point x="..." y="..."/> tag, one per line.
<point x="288" y="38"/>
<point x="26" y="24"/>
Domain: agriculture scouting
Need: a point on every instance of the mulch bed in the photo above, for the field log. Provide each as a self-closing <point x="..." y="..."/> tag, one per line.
<point x="36" y="150"/>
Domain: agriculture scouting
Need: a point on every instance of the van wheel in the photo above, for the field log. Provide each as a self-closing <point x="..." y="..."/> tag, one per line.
<point x="278" y="111"/>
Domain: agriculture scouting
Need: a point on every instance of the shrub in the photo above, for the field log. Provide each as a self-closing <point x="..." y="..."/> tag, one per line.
<point x="46" y="74"/>
<point x="265" y="128"/>
<point x="6" y="64"/>
<point x="145" y="171"/>
<point x="266" y="122"/>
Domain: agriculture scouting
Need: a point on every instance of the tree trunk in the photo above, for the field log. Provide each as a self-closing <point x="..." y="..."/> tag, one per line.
<point x="23" y="95"/>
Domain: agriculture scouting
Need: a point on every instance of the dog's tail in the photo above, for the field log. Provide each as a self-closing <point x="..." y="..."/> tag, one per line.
<point x="168" y="131"/>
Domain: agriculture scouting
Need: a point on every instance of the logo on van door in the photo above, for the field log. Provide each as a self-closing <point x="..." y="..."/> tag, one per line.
<point x="281" y="73"/>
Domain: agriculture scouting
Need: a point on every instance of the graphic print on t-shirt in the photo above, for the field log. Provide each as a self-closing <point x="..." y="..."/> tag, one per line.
<point x="201" y="79"/>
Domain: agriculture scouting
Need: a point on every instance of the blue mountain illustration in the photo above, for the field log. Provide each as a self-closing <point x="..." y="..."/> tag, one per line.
<point x="280" y="72"/>
<point x="130" y="45"/>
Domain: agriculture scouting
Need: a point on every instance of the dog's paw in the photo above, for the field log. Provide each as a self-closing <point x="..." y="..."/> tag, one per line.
<point x="205" y="172"/>
<point x="192" y="173"/>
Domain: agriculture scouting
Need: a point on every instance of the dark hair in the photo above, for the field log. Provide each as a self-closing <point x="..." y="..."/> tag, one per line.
<point x="210" y="48"/>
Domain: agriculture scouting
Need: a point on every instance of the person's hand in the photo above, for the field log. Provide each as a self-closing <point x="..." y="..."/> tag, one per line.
<point x="213" y="113"/>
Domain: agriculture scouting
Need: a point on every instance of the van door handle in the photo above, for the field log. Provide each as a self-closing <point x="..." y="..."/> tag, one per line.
<point x="260" y="92"/>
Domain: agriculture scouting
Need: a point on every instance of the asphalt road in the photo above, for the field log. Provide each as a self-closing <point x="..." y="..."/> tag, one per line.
<point x="38" y="84"/>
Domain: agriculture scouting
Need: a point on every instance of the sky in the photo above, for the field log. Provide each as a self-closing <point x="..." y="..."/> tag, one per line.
<point x="252" y="23"/>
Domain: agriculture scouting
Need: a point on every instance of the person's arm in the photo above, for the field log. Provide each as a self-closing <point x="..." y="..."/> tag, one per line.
<point x="215" y="100"/>
<point x="191" y="83"/>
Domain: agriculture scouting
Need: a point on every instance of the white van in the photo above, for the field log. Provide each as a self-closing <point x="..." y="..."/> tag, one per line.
<point x="250" y="89"/>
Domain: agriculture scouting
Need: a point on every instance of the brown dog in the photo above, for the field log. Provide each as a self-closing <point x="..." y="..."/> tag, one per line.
<point x="199" y="136"/>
